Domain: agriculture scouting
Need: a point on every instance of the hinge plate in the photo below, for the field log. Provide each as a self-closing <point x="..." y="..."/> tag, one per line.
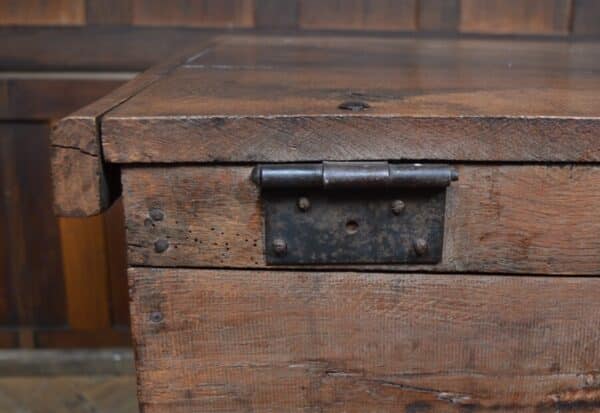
<point x="313" y="225"/>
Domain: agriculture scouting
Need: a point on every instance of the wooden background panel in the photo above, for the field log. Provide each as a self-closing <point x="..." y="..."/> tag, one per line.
<point x="358" y="14"/>
<point x="510" y="219"/>
<point x="276" y="14"/>
<point x="515" y="16"/>
<point x="33" y="273"/>
<point x="586" y="17"/>
<point x="108" y="12"/>
<point x="194" y="13"/>
<point x="439" y="15"/>
<point x="42" y="12"/>
<point x="348" y="342"/>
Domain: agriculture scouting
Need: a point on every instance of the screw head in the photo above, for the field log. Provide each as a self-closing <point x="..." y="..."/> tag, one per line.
<point x="354" y="106"/>
<point x="420" y="246"/>
<point x="156" y="214"/>
<point x="397" y="207"/>
<point x="156" y="317"/>
<point x="303" y="204"/>
<point x="161" y="245"/>
<point x="279" y="246"/>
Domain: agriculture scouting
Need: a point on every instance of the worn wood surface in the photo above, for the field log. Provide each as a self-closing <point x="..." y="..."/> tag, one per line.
<point x="235" y="341"/>
<point x="439" y="15"/>
<point x="513" y="219"/>
<point x="276" y="99"/>
<point x="80" y="178"/>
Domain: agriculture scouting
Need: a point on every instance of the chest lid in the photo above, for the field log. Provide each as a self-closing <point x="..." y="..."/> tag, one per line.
<point x="285" y="99"/>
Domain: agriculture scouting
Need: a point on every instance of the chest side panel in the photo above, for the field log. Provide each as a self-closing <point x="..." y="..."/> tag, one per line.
<point x="508" y="219"/>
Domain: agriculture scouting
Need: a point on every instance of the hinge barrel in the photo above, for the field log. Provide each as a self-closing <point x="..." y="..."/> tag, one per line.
<point x="353" y="175"/>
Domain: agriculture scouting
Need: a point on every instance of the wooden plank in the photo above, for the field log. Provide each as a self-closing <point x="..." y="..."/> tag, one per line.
<point x="9" y="338"/>
<point x="33" y="266"/>
<point x="114" y="229"/>
<point x="108" y="12"/>
<point x="509" y="219"/>
<point x="586" y="20"/>
<point x="540" y="17"/>
<point x="86" y="272"/>
<point x="48" y="363"/>
<point x="349" y="342"/>
<point x="358" y="14"/>
<point x="68" y="394"/>
<point x="42" y="12"/>
<point x="43" y="96"/>
<point x="81" y="181"/>
<point x="71" y="338"/>
<point x="276" y="14"/>
<point x="194" y="13"/>
<point x="248" y="99"/>
<point x="439" y="15"/>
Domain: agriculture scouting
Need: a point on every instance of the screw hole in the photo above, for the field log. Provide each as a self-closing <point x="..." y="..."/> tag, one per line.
<point x="351" y="226"/>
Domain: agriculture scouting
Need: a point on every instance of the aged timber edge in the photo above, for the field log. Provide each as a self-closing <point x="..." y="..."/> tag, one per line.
<point x="83" y="184"/>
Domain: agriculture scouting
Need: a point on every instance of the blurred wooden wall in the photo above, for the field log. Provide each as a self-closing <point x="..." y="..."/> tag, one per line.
<point x="63" y="281"/>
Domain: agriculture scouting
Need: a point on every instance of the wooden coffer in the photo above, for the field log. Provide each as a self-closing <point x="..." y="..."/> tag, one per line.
<point x="326" y="224"/>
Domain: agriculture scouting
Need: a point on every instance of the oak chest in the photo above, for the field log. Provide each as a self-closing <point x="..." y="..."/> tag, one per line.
<point x="322" y="224"/>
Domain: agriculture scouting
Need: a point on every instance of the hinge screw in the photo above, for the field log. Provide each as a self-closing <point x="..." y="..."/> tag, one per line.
<point x="156" y="317"/>
<point x="397" y="207"/>
<point x="303" y="204"/>
<point x="280" y="247"/>
<point x="161" y="245"/>
<point x="420" y="246"/>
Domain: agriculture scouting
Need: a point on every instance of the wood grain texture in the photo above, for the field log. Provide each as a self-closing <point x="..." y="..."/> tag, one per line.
<point x="586" y="19"/>
<point x="510" y="219"/>
<point x="234" y="341"/>
<point x="276" y="99"/>
<point x="116" y="253"/>
<point x="85" y="268"/>
<point x="515" y="16"/>
<point x="276" y="14"/>
<point x="439" y="15"/>
<point x="358" y="14"/>
<point x="32" y="264"/>
<point x="194" y="13"/>
<point x="108" y="12"/>
<point x="42" y="12"/>
<point x="80" y="178"/>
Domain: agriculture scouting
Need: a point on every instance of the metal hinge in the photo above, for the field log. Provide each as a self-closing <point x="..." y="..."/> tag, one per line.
<point x="353" y="212"/>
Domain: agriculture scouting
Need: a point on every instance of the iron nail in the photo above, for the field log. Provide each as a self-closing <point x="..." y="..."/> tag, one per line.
<point x="354" y="106"/>
<point x="397" y="207"/>
<point x="161" y="245"/>
<point x="280" y="246"/>
<point x="156" y="317"/>
<point x="420" y="246"/>
<point x="303" y="204"/>
<point x="156" y="214"/>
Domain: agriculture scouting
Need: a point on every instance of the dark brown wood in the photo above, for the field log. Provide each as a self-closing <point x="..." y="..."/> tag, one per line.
<point x="276" y="14"/>
<point x="439" y="15"/>
<point x="81" y="181"/>
<point x="586" y="17"/>
<point x="29" y="229"/>
<point x="108" y="12"/>
<point x="347" y="342"/>
<point x="194" y="13"/>
<point x="40" y="96"/>
<point x="248" y="99"/>
<point x="510" y="219"/>
<point x="358" y="14"/>
<point x="515" y="16"/>
<point x="42" y="12"/>
<point x="71" y="338"/>
<point x="116" y="248"/>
